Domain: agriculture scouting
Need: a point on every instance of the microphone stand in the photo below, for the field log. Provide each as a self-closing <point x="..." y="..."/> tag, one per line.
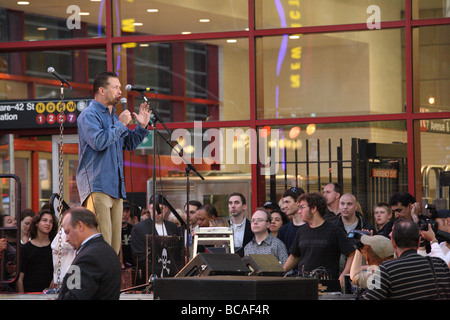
<point x="189" y="168"/>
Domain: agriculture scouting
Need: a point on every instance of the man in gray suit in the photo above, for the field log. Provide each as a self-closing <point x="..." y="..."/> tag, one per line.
<point x="95" y="273"/>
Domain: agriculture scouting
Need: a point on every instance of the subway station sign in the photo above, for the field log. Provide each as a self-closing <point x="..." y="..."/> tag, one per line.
<point x="36" y="114"/>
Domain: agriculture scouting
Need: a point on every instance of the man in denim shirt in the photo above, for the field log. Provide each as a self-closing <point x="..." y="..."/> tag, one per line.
<point x="103" y="136"/>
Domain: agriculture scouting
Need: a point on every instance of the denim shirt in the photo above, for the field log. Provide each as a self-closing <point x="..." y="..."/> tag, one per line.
<point x="102" y="139"/>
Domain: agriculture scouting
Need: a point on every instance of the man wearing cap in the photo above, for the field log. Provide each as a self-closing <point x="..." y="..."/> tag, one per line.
<point x="145" y="227"/>
<point x="375" y="250"/>
<point x="438" y="249"/>
<point x="271" y="206"/>
<point x="125" y="255"/>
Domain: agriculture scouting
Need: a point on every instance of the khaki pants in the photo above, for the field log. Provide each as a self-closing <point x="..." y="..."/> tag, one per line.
<point x="109" y="212"/>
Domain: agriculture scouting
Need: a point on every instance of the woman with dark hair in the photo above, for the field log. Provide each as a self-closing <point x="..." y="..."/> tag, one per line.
<point x="36" y="264"/>
<point x="26" y="216"/>
<point x="277" y="219"/>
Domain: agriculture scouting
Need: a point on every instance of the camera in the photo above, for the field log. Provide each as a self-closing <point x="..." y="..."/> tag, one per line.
<point x="424" y="221"/>
<point x="356" y="236"/>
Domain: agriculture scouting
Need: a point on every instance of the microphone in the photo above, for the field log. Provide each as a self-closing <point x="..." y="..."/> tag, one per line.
<point x="129" y="87"/>
<point x="123" y="101"/>
<point x="52" y="71"/>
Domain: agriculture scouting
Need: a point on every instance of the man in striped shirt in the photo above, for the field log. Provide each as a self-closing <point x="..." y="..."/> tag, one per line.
<point x="410" y="276"/>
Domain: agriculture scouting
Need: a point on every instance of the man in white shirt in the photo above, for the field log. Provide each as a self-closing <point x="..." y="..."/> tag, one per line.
<point x="438" y="249"/>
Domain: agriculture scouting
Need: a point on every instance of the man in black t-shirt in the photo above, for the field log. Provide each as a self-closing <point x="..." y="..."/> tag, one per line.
<point x="318" y="243"/>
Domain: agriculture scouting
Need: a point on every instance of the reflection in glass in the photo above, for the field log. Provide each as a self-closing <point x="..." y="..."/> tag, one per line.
<point x="144" y="17"/>
<point x="205" y="80"/>
<point x="435" y="156"/>
<point x="430" y="9"/>
<point x="79" y="67"/>
<point x="434" y="68"/>
<point x="43" y="20"/>
<point x="331" y="74"/>
<point x="296" y="13"/>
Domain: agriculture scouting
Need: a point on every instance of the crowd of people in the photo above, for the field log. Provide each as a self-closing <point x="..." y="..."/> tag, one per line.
<point x="311" y="231"/>
<point x="304" y="231"/>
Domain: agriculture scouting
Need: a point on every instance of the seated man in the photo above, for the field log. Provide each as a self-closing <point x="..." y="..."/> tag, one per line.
<point x="263" y="241"/>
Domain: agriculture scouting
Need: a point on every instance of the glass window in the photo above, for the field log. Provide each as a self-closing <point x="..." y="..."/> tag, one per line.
<point x="434" y="68"/>
<point x="144" y="17"/>
<point x="351" y="73"/>
<point x="221" y="155"/>
<point x="435" y="160"/>
<point x="430" y="9"/>
<point x="296" y="13"/>
<point x="43" y="20"/>
<point x="206" y="81"/>
<point x="369" y="159"/>
<point x="29" y="77"/>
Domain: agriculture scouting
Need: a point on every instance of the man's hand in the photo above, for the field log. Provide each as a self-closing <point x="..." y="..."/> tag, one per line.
<point x="143" y="118"/>
<point x="3" y="244"/>
<point x="428" y="235"/>
<point x="125" y="117"/>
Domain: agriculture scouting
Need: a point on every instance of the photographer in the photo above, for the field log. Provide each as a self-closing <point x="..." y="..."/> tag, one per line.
<point x="410" y="276"/>
<point x="434" y="229"/>
<point x="375" y="250"/>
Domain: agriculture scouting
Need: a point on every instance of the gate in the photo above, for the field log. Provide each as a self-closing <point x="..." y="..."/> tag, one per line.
<point x="372" y="172"/>
<point x="379" y="170"/>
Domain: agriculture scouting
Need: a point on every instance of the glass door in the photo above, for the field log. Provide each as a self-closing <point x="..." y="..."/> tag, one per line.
<point x="7" y="193"/>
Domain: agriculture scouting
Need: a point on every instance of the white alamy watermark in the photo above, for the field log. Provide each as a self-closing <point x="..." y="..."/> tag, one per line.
<point x="73" y="280"/>
<point x="374" y="280"/>
<point x="228" y="146"/>
<point x="374" y="21"/>
<point x="74" y="20"/>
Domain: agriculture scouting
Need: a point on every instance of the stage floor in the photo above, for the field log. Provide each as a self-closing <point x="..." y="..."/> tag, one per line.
<point x="123" y="296"/>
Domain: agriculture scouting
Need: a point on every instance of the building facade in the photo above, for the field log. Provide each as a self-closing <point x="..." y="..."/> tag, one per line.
<point x="261" y="95"/>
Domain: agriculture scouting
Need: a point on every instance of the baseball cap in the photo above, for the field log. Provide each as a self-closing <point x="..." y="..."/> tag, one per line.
<point x="126" y="204"/>
<point x="381" y="245"/>
<point x="271" y="205"/>
<point x="443" y="214"/>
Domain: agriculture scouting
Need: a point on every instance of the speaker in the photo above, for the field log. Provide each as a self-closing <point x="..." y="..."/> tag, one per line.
<point x="207" y="264"/>
<point x="263" y="265"/>
<point x="235" y="288"/>
<point x="169" y="255"/>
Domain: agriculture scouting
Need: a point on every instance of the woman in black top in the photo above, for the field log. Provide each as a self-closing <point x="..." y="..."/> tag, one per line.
<point x="36" y="265"/>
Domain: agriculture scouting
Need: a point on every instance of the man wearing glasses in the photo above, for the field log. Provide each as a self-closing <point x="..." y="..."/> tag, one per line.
<point x="318" y="243"/>
<point x="263" y="241"/>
